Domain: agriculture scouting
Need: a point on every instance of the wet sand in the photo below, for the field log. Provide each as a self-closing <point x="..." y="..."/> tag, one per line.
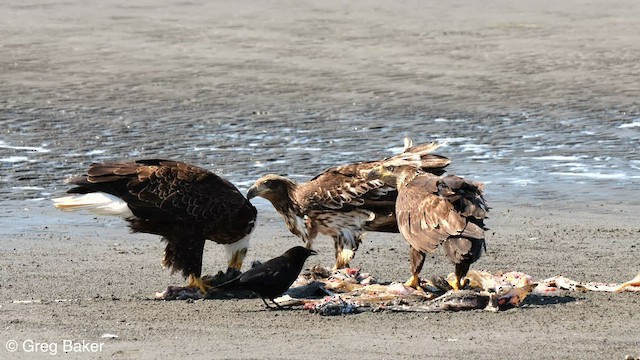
<point x="80" y="277"/>
<point x="93" y="280"/>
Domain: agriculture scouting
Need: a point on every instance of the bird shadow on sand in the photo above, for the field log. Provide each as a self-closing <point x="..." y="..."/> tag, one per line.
<point x="190" y="295"/>
<point x="264" y="308"/>
<point x="537" y="300"/>
<point x="187" y="293"/>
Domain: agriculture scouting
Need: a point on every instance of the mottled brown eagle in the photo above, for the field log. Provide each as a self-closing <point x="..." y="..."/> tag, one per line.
<point x="342" y="202"/>
<point x="437" y="210"/>
<point x="185" y="204"/>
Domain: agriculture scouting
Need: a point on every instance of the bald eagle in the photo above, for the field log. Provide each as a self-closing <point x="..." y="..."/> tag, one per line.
<point x="437" y="210"/>
<point x="183" y="203"/>
<point x="342" y="202"/>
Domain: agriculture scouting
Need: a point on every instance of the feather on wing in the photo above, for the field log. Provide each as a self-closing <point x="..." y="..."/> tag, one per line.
<point x="431" y="209"/>
<point x="339" y="186"/>
<point x="166" y="190"/>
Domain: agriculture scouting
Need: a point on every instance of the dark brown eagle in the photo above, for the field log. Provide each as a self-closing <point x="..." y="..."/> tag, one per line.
<point x="342" y="202"/>
<point x="437" y="210"/>
<point x="183" y="203"/>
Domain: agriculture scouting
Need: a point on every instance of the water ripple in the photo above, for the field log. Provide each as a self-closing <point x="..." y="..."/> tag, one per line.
<point x="534" y="158"/>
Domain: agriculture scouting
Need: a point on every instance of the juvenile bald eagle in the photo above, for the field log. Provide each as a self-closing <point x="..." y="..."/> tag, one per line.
<point x="183" y="203"/>
<point x="342" y="202"/>
<point x="437" y="210"/>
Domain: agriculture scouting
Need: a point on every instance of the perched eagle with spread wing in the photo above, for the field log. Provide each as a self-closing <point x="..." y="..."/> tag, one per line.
<point x="342" y="202"/>
<point x="183" y="203"/>
<point x="437" y="210"/>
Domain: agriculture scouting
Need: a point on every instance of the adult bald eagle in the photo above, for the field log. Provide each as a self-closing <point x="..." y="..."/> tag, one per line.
<point x="342" y="202"/>
<point x="183" y="203"/>
<point x="437" y="210"/>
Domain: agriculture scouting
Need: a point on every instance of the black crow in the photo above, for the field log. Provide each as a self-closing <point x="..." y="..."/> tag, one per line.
<point x="273" y="277"/>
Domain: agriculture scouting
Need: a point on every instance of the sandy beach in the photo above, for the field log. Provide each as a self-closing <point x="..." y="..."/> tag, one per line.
<point x="66" y="279"/>
<point x="84" y="285"/>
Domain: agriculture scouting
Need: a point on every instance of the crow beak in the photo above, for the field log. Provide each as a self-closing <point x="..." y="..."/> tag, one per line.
<point x="312" y="252"/>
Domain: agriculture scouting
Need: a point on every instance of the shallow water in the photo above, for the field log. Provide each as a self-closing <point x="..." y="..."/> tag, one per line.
<point x="243" y="90"/>
<point x="524" y="158"/>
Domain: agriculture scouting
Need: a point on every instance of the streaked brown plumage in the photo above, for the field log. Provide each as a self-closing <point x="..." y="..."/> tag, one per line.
<point x="437" y="210"/>
<point x="183" y="203"/>
<point x="341" y="202"/>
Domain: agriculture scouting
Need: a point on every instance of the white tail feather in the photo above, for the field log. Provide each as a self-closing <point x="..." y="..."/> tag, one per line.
<point x="98" y="203"/>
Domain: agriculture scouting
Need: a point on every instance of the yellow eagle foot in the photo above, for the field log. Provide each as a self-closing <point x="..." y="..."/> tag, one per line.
<point x="343" y="258"/>
<point x="458" y="284"/>
<point x="413" y="282"/>
<point x="197" y="282"/>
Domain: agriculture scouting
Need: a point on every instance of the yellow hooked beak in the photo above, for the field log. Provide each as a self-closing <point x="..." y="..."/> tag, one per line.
<point x="256" y="190"/>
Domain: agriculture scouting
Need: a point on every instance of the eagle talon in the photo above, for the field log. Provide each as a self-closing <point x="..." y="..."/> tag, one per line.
<point x="197" y="282"/>
<point x="413" y="282"/>
<point x="458" y="284"/>
<point x="465" y="283"/>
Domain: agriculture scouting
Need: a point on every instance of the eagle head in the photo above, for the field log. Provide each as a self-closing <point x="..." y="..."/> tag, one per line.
<point x="396" y="176"/>
<point x="272" y="187"/>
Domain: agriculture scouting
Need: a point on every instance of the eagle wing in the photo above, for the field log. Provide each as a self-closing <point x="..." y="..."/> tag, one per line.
<point x="345" y="187"/>
<point x="431" y="209"/>
<point x="346" y="202"/>
<point x="165" y="190"/>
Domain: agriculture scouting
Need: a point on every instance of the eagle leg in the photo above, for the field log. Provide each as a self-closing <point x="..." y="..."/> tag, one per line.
<point x="345" y="250"/>
<point x="461" y="272"/>
<point x="417" y="261"/>
<point x="308" y="244"/>
<point x="235" y="263"/>
<point x="342" y="258"/>
<point x="236" y="252"/>
<point x="184" y="252"/>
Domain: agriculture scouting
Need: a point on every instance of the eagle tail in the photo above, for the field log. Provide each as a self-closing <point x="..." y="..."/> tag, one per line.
<point x="420" y="156"/>
<point x="97" y="202"/>
<point x="461" y="250"/>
